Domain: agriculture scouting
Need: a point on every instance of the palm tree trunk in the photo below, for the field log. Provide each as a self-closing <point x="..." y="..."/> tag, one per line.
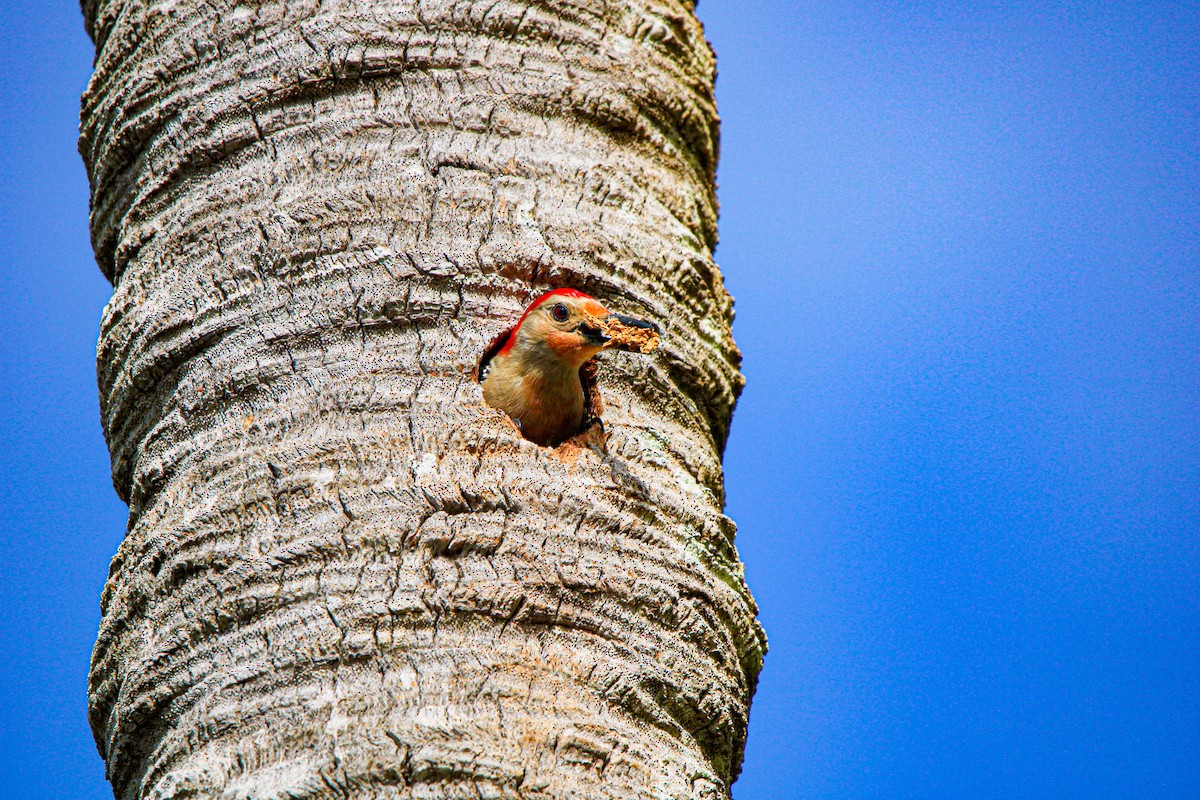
<point x="344" y="575"/>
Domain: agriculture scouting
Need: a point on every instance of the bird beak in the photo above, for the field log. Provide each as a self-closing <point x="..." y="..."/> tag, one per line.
<point x="598" y="335"/>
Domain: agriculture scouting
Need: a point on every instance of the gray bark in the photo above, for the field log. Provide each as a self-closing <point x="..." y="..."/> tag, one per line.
<point x="344" y="575"/>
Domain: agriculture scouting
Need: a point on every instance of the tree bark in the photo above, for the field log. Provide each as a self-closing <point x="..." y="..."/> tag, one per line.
<point x="344" y="575"/>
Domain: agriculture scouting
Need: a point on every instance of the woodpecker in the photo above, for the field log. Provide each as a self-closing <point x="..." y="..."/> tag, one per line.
<point x="538" y="371"/>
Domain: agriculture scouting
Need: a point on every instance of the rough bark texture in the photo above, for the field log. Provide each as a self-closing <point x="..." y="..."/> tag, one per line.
<point x="344" y="575"/>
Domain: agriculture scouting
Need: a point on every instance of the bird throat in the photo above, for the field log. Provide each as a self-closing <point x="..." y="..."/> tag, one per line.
<point x="542" y="393"/>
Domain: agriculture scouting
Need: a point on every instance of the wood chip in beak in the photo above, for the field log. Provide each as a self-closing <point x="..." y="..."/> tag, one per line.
<point x="619" y="332"/>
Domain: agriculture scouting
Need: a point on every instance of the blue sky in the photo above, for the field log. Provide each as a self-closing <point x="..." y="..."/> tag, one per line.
<point x="964" y="240"/>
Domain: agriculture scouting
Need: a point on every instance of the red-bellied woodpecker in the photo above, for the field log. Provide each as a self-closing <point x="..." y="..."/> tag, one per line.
<point x="537" y="371"/>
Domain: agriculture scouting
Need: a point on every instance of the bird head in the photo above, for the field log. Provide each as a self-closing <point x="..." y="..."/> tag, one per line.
<point x="568" y="327"/>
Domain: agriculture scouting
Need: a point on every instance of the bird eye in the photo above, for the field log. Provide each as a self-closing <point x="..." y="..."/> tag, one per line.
<point x="559" y="312"/>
